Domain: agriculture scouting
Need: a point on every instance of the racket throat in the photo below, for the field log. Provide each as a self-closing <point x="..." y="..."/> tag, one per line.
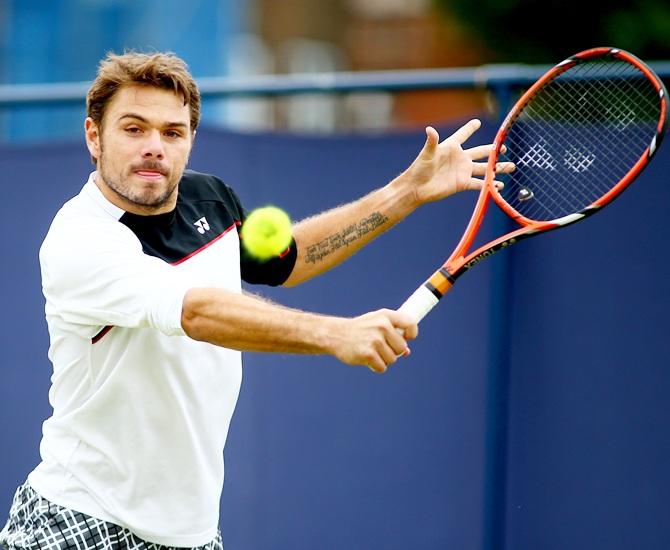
<point x="440" y="282"/>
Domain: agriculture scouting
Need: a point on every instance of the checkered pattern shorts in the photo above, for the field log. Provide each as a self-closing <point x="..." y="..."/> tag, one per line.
<point x="37" y="524"/>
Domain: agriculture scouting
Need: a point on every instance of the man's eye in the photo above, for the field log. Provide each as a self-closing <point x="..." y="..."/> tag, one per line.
<point x="133" y="130"/>
<point x="172" y="134"/>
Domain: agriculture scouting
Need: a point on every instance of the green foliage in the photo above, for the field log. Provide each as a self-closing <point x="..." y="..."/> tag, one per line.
<point x="531" y="31"/>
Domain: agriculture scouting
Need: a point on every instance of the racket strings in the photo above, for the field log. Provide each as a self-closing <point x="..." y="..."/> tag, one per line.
<point x="637" y="97"/>
<point x="578" y="137"/>
<point x="580" y="156"/>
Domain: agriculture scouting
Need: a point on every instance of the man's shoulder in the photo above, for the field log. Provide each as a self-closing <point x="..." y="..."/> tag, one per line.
<point x="82" y="223"/>
<point x="196" y="186"/>
<point x="80" y="211"/>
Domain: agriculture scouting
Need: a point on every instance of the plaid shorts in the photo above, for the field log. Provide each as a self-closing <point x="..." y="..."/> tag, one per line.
<point x="37" y="524"/>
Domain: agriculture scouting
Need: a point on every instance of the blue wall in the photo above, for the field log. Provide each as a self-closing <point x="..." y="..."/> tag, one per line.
<point x="571" y="327"/>
<point x="589" y="443"/>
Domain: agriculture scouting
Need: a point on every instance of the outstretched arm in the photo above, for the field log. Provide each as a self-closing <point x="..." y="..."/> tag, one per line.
<point x="440" y="170"/>
<point x="249" y="323"/>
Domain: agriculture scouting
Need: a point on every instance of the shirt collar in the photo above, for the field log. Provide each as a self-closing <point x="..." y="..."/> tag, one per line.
<point x="93" y="191"/>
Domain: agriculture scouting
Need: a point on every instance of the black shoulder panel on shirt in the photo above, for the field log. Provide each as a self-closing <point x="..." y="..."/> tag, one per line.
<point x="206" y="208"/>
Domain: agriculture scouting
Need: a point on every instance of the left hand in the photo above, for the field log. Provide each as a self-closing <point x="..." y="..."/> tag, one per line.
<point x="442" y="169"/>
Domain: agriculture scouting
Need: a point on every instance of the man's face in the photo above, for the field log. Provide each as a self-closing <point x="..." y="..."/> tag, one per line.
<point x="142" y="148"/>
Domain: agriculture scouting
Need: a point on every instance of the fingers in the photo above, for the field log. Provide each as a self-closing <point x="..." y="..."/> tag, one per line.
<point x="386" y="358"/>
<point x="479" y="171"/>
<point x="445" y="168"/>
<point x="476" y="184"/>
<point x="483" y="151"/>
<point x="464" y="132"/>
<point x="406" y="326"/>
<point x="479" y="168"/>
<point x="382" y="338"/>
<point x="505" y="167"/>
<point x="480" y="152"/>
<point x="432" y="141"/>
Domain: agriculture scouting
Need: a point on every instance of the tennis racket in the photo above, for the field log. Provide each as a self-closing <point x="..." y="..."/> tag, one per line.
<point x="578" y="137"/>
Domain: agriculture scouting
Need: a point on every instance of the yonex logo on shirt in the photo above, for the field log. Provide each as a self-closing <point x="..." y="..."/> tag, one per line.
<point x="202" y="225"/>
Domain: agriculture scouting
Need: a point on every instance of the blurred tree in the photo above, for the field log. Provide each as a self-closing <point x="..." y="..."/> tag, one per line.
<point x="532" y="31"/>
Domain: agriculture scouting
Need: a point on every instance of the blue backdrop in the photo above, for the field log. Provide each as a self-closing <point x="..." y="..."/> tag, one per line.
<point x="531" y="414"/>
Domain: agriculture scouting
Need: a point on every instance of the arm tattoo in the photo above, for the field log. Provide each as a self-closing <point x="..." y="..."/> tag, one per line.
<point x="318" y="251"/>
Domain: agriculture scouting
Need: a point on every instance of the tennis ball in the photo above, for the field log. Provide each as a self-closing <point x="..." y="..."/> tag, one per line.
<point x="266" y="232"/>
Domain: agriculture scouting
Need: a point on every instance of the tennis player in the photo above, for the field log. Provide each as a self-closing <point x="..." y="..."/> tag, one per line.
<point x="142" y="275"/>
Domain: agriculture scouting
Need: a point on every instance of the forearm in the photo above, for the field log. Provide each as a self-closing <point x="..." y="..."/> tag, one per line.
<point x="328" y="239"/>
<point x="248" y="323"/>
<point x="440" y="170"/>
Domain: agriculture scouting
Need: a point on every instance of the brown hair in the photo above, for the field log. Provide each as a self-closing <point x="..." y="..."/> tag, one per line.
<point x="162" y="70"/>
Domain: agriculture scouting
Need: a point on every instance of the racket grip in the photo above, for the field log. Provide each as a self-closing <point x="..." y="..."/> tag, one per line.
<point x="419" y="303"/>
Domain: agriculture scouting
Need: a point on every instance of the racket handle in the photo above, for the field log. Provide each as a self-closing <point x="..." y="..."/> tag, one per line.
<point x="419" y="303"/>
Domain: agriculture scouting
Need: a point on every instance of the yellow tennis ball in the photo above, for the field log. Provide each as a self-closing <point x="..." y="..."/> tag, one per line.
<point x="266" y="232"/>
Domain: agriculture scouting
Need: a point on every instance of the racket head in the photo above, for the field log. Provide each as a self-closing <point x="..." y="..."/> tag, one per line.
<point x="568" y="152"/>
<point x="578" y="137"/>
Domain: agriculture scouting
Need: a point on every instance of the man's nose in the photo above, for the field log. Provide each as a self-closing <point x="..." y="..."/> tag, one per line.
<point x="153" y="145"/>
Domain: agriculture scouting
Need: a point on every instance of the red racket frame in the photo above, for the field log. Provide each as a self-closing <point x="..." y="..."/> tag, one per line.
<point x="460" y="261"/>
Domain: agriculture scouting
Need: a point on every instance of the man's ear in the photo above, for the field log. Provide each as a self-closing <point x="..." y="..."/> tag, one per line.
<point x="92" y="132"/>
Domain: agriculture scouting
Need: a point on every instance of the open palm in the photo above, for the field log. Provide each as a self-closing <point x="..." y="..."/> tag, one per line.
<point x="442" y="169"/>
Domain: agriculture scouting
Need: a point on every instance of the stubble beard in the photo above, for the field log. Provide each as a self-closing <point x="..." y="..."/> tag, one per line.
<point x="150" y="199"/>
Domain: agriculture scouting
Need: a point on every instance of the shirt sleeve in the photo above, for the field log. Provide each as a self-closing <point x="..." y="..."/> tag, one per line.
<point x="272" y="272"/>
<point x="96" y="274"/>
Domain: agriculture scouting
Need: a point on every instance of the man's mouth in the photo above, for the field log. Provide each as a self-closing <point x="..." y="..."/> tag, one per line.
<point x="150" y="174"/>
<point x="150" y="171"/>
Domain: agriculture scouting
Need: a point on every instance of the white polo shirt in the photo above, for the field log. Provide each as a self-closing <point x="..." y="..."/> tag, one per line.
<point x="141" y="411"/>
